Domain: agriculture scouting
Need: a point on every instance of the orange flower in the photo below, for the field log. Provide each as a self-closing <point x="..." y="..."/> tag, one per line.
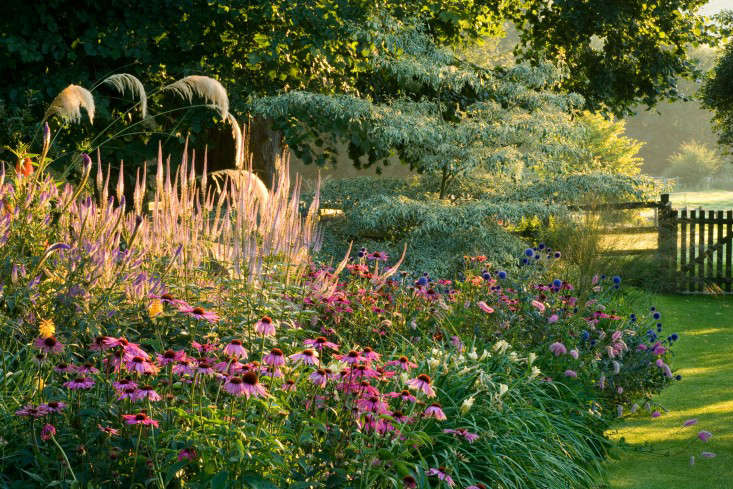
<point x="24" y="167"/>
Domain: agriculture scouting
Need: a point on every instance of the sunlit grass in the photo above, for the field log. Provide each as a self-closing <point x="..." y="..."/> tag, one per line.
<point x="660" y="458"/>
<point x="711" y="199"/>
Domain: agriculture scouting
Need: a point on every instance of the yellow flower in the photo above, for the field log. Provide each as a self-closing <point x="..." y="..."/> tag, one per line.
<point x="40" y="384"/>
<point x="46" y="328"/>
<point x="155" y="308"/>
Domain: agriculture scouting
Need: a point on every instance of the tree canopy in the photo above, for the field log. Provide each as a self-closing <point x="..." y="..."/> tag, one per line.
<point x="620" y="52"/>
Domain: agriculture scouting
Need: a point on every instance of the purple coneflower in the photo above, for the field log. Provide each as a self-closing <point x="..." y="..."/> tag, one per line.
<point x="379" y="256"/>
<point x="320" y="377"/>
<point x="199" y="313"/>
<point x="442" y="474"/>
<point x="182" y="367"/>
<point x="109" y="430"/>
<point x="139" y="418"/>
<point x="235" y="349"/>
<point x="704" y="435"/>
<point x="127" y="393"/>
<point x="102" y="343"/>
<point x="469" y="437"/>
<point x="64" y="368"/>
<point x="289" y="385"/>
<point x="187" y="454"/>
<point x="275" y="358"/>
<point x="252" y="386"/>
<point x="372" y="404"/>
<point x="400" y="417"/>
<point x="571" y="373"/>
<point x="47" y="432"/>
<point x="708" y="454"/>
<point x="123" y="384"/>
<point x="87" y="368"/>
<point x="409" y="482"/>
<point x="265" y="326"/>
<point x="404" y="395"/>
<point x="690" y="422"/>
<point x="308" y="357"/>
<point x="79" y="383"/>
<point x="205" y="367"/>
<point x="140" y="365"/>
<point x="32" y="411"/>
<point x="39" y="358"/>
<point x="170" y="356"/>
<point x="351" y="357"/>
<point x="403" y="362"/>
<point x="147" y="392"/>
<point x="422" y="383"/>
<point x="53" y="406"/>
<point x="435" y="411"/>
<point x="49" y="345"/>
<point x="320" y="343"/>
<point x="369" y="354"/>
<point x="234" y="386"/>
<point x="204" y="348"/>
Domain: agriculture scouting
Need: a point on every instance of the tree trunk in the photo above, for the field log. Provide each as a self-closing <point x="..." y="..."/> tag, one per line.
<point x="266" y="145"/>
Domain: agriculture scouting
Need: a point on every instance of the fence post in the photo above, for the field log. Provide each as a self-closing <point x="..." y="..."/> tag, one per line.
<point x="667" y="242"/>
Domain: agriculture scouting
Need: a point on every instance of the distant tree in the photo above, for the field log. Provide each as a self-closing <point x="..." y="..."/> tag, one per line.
<point x="716" y="92"/>
<point x="693" y="163"/>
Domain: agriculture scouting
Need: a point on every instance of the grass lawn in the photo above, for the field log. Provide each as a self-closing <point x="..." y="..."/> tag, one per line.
<point x="709" y="199"/>
<point x="704" y="357"/>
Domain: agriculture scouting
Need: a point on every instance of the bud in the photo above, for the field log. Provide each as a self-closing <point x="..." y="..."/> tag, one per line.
<point x="531" y="358"/>
<point x="86" y="163"/>
<point x="433" y="362"/>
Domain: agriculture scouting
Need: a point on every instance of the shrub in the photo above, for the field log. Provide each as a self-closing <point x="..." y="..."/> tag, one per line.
<point x="693" y="164"/>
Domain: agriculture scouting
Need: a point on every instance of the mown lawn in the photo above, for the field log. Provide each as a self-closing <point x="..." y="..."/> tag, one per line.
<point x="704" y="357"/>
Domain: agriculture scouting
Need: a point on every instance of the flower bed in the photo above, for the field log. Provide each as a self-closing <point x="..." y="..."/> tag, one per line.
<point x="130" y="358"/>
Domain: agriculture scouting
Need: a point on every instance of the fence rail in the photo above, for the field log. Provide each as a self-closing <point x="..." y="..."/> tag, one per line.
<point x="694" y="246"/>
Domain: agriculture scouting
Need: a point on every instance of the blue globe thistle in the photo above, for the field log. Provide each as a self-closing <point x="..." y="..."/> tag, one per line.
<point x="656" y="315"/>
<point x="362" y="252"/>
<point x="616" y="286"/>
<point x="592" y="342"/>
<point x="541" y="246"/>
<point x="529" y="252"/>
<point x="678" y="377"/>
<point x="557" y="283"/>
<point x="502" y="274"/>
<point x="422" y="281"/>
<point x="632" y="316"/>
<point x="537" y="257"/>
<point x="557" y="254"/>
<point x="659" y="327"/>
<point x="603" y="277"/>
<point x="575" y="310"/>
<point x="486" y="275"/>
<point x="652" y="308"/>
<point x="585" y="335"/>
<point x="616" y="279"/>
<point x="674" y="337"/>
<point x="525" y="261"/>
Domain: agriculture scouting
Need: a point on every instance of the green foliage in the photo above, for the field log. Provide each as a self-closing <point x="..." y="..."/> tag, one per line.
<point x="483" y="209"/>
<point x="605" y="147"/>
<point x="619" y="52"/>
<point x="377" y="53"/>
<point x="694" y="164"/>
<point x="716" y="93"/>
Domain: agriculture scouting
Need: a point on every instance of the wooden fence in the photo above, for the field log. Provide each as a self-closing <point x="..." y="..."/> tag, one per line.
<point x="694" y="247"/>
